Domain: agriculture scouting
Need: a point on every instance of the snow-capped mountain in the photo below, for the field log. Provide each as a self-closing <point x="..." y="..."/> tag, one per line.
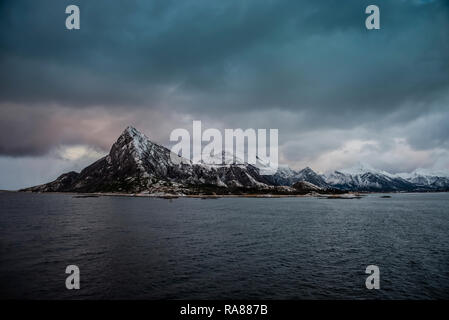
<point x="307" y="174"/>
<point x="286" y="176"/>
<point x="365" y="178"/>
<point x="362" y="178"/>
<point x="137" y="165"/>
<point x="425" y="179"/>
<point x="367" y="181"/>
<point x="362" y="168"/>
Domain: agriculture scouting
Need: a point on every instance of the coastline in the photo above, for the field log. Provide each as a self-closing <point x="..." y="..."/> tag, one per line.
<point x="349" y="195"/>
<point x="174" y="196"/>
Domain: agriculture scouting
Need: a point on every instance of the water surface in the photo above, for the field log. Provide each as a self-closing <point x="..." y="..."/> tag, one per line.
<point x="239" y="248"/>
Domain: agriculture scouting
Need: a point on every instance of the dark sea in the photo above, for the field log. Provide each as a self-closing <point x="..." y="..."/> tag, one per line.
<point x="234" y="248"/>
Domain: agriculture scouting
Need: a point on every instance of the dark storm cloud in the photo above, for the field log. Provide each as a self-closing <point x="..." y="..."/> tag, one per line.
<point x="222" y="59"/>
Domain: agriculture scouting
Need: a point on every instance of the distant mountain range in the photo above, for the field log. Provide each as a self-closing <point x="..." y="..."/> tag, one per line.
<point x="364" y="179"/>
<point x="137" y="165"/>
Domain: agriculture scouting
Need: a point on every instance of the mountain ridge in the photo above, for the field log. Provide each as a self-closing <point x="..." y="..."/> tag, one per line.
<point x="135" y="164"/>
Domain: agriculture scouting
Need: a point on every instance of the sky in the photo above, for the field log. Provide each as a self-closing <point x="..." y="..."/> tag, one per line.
<point x="338" y="93"/>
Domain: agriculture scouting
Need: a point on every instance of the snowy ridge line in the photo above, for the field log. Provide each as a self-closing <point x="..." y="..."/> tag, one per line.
<point x="137" y="165"/>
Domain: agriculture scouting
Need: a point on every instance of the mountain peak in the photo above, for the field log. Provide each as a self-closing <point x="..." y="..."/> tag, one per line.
<point x="131" y="131"/>
<point x="363" y="168"/>
<point x="134" y="138"/>
<point x="359" y="168"/>
<point x="307" y="174"/>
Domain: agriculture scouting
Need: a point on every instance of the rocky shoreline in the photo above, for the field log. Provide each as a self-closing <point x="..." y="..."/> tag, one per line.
<point x="203" y="196"/>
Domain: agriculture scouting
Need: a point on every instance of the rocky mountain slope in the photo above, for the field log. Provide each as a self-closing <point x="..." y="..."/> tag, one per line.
<point x="137" y="165"/>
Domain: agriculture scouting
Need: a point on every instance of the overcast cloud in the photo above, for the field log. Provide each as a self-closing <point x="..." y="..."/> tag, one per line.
<point x="338" y="93"/>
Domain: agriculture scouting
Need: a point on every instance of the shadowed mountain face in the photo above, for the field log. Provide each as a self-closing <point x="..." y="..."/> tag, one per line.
<point x="137" y="165"/>
<point x="307" y="174"/>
